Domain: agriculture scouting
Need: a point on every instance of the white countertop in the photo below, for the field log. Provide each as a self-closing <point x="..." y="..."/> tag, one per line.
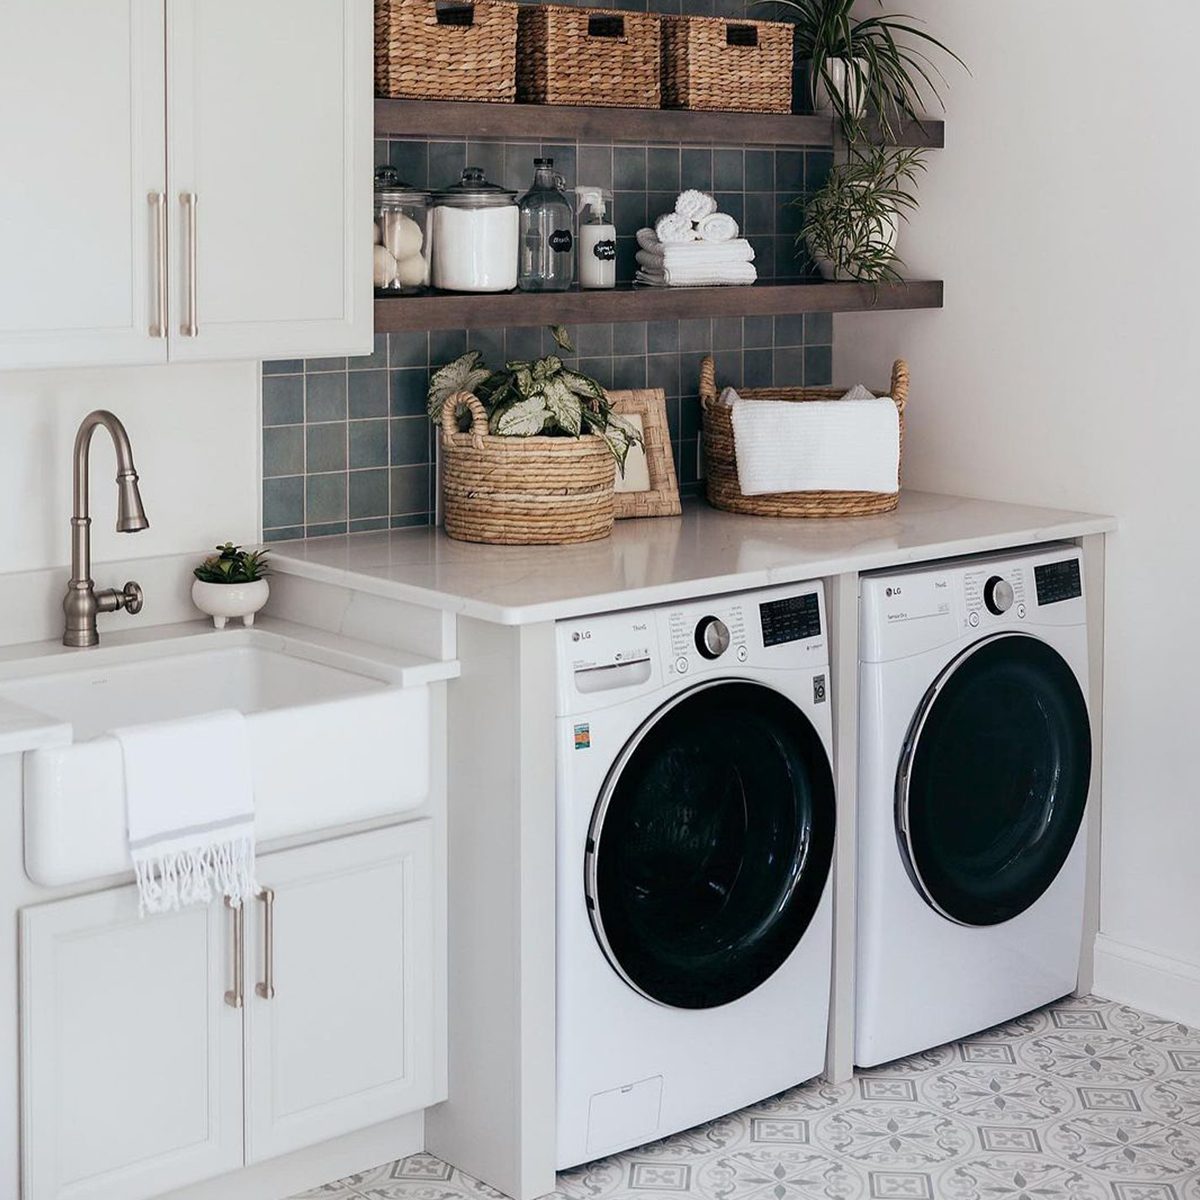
<point x="702" y="553"/>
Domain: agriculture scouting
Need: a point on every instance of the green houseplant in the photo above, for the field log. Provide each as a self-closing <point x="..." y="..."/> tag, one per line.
<point x="231" y="583"/>
<point x="852" y="223"/>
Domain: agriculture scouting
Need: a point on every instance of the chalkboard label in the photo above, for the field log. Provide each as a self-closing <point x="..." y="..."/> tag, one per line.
<point x="606" y="250"/>
<point x="561" y="240"/>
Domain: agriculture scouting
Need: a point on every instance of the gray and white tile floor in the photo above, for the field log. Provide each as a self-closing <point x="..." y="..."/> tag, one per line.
<point x="1084" y="1100"/>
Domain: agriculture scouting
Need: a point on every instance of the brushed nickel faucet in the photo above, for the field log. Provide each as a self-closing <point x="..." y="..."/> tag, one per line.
<point x="82" y="602"/>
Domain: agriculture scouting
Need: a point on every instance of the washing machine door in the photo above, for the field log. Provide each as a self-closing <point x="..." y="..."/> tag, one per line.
<point x="710" y="845"/>
<point x="993" y="780"/>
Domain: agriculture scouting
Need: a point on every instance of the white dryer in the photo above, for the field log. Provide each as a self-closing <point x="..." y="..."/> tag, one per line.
<point x="974" y="766"/>
<point x="695" y="838"/>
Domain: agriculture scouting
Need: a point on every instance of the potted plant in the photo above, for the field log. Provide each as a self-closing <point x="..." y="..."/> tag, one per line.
<point x="852" y="223"/>
<point x="536" y="460"/>
<point x="878" y="63"/>
<point x="231" y="583"/>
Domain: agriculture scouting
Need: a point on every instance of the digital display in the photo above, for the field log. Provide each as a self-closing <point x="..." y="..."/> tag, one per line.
<point x="1058" y="581"/>
<point x="791" y="620"/>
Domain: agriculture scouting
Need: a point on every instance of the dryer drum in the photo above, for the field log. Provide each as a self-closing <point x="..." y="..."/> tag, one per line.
<point x="993" y="780"/>
<point x="711" y="844"/>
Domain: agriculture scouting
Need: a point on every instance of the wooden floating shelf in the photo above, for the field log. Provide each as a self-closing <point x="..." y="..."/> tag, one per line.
<point x="454" y="310"/>
<point x="551" y="122"/>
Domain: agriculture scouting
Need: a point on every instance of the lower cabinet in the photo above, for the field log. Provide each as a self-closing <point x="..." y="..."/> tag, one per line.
<point x="160" y="1052"/>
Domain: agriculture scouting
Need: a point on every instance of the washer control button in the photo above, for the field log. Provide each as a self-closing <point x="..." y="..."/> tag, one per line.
<point x="742" y="654"/>
<point x="681" y="665"/>
<point x="973" y="620"/>
<point x="1021" y="611"/>
<point x="998" y="595"/>
<point x="712" y="637"/>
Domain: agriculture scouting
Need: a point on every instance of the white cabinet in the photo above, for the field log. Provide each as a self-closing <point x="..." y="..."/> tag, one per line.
<point x="160" y="1052"/>
<point x="188" y="179"/>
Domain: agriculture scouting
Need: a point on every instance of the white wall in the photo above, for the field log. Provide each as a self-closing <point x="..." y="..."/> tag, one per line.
<point x="195" y="435"/>
<point x="1062" y="372"/>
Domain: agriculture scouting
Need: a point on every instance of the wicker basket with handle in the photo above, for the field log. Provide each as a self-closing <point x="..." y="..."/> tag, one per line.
<point x="522" y="491"/>
<point x="430" y="51"/>
<point x="726" y="66"/>
<point x="720" y="455"/>
<point x="588" y="56"/>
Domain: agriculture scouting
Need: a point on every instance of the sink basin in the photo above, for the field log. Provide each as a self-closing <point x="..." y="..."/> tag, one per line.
<point x="331" y="742"/>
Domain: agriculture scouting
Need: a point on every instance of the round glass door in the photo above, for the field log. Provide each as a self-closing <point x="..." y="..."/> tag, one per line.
<point x="710" y="845"/>
<point x="994" y="780"/>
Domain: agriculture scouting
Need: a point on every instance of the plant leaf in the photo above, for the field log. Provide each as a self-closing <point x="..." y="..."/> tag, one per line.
<point x="526" y="418"/>
<point x="565" y="407"/>
<point x="562" y="338"/>
<point x="582" y="385"/>
<point x="462" y="375"/>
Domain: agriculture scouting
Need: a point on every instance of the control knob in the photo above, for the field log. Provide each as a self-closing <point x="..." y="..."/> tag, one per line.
<point x="998" y="595"/>
<point x="712" y="637"/>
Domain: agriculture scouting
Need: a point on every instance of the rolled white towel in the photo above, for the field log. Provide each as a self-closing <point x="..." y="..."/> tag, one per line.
<point x="695" y="205"/>
<point x="717" y="227"/>
<point x="674" y="228"/>
<point x="647" y="240"/>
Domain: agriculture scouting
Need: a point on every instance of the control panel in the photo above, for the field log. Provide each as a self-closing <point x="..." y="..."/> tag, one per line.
<point x="792" y="619"/>
<point x="1058" y="581"/>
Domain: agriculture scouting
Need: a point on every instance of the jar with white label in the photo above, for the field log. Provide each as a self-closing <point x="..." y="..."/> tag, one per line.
<point x="401" y="235"/>
<point x="597" y="240"/>
<point x="475" y="236"/>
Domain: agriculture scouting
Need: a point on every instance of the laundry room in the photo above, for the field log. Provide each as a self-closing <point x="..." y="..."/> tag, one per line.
<point x="649" y="659"/>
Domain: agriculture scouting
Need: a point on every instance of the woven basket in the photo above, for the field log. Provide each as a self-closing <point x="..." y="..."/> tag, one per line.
<point x="514" y="491"/>
<point x="721" y="457"/>
<point x="588" y="56"/>
<point x="466" y="51"/>
<point x="729" y="66"/>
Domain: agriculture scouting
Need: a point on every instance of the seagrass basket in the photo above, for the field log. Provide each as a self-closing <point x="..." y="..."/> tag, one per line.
<point x="720" y="455"/>
<point x="726" y="66"/>
<point x="461" y="51"/>
<point x="588" y="56"/>
<point x="517" y="491"/>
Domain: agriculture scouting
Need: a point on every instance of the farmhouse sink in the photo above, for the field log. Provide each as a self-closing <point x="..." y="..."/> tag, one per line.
<point x="333" y="742"/>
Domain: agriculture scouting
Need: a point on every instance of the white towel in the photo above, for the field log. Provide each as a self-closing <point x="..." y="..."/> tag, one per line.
<point x="695" y="205"/>
<point x="696" y="253"/>
<point x="818" y="445"/>
<point x="717" y="227"/>
<point x="647" y="240"/>
<point x="189" y="804"/>
<point x="703" y="275"/>
<point x="673" y="228"/>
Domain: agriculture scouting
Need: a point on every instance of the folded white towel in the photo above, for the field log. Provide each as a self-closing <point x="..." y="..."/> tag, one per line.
<point x="189" y="804"/>
<point x="695" y="205"/>
<point x="647" y="240"/>
<point x="672" y="227"/>
<point x="817" y="445"/>
<point x="717" y="227"/>
<point x="681" y="257"/>
<point x="706" y="275"/>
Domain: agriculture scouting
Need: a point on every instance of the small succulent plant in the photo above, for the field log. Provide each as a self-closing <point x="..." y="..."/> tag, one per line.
<point x="232" y="564"/>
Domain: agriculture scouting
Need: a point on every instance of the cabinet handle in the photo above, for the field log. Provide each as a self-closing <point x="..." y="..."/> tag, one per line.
<point x="237" y="994"/>
<point x="266" y="989"/>
<point x="189" y="328"/>
<point x="158" y="205"/>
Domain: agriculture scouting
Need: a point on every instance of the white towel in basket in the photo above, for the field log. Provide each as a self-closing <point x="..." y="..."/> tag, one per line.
<point x="815" y="446"/>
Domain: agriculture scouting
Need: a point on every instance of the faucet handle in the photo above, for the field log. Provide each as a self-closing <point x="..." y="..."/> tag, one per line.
<point x="131" y="593"/>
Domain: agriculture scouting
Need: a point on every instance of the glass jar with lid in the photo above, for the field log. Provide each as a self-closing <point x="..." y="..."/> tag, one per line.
<point x="402" y="241"/>
<point x="475" y="236"/>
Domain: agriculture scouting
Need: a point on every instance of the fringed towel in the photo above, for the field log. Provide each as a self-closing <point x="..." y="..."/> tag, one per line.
<point x="673" y="228"/>
<point x="189" y="802"/>
<point x="695" y="205"/>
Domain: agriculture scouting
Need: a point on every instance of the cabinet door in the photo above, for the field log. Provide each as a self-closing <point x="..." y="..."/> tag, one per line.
<point x="346" y="1039"/>
<point x="270" y="127"/>
<point x="131" y="1059"/>
<point x="82" y="148"/>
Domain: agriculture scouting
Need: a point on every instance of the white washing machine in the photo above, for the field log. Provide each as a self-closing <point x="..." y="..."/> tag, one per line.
<point x="974" y="766"/>
<point x="695" y="838"/>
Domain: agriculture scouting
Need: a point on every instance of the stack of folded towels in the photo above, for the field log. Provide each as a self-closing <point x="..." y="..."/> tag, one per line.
<point x="694" y="246"/>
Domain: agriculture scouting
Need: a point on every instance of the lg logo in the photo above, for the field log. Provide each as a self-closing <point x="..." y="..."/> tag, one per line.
<point x="894" y="591"/>
<point x="584" y="635"/>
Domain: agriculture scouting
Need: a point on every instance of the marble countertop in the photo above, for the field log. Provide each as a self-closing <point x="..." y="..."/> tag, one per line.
<point x="702" y="553"/>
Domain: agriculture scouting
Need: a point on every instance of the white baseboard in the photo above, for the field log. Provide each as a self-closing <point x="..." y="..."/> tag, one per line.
<point x="1162" y="986"/>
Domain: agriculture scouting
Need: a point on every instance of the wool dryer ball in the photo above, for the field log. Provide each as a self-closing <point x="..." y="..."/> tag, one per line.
<point x="385" y="266"/>
<point x="401" y="235"/>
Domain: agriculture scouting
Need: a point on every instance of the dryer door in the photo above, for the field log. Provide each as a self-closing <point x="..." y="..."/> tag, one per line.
<point x="711" y="844"/>
<point x="993" y="780"/>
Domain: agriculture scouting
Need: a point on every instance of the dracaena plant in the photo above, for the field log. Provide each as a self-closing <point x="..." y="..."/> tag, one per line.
<point x="541" y="398"/>
<point x="890" y="61"/>
<point x="232" y="564"/>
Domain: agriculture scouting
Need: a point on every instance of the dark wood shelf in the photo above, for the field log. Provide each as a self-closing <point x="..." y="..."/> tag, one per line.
<point x="549" y="122"/>
<point x="455" y="310"/>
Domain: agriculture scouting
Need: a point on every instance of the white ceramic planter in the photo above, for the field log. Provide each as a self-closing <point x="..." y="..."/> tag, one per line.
<point x="846" y="83"/>
<point x="226" y="601"/>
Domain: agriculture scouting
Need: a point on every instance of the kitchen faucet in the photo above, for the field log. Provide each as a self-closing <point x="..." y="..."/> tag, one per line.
<point x="82" y="602"/>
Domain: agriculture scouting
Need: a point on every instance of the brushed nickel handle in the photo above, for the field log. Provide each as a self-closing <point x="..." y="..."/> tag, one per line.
<point x="236" y="995"/>
<point x="158" y="205"/>
<point x="266" y="989"/>
<point x="189" y="328"/>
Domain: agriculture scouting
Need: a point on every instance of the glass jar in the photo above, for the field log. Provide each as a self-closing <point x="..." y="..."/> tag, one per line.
<point x="547" y="244"/>
<point x="401" y="235"/>
<point x="475" y="236"/>
<point x="597" y="241"/>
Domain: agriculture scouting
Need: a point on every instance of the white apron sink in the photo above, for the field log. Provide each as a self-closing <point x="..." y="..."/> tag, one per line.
<point x="334" y="740"/>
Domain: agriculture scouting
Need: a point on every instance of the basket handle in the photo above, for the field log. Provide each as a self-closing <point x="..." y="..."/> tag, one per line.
<point x="708" y="382"/>
<point x="479" y="420"/>
<point x="900" y="383"/>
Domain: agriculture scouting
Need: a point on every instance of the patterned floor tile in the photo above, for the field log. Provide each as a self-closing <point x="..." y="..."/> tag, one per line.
<point x="1083" y="1100"/>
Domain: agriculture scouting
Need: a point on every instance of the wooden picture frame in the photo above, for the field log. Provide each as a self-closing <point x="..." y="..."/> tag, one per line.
<point x="647" y="409"/>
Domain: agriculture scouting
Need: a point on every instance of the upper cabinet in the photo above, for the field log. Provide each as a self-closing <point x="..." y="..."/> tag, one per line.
<point x="194" y="180"/>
